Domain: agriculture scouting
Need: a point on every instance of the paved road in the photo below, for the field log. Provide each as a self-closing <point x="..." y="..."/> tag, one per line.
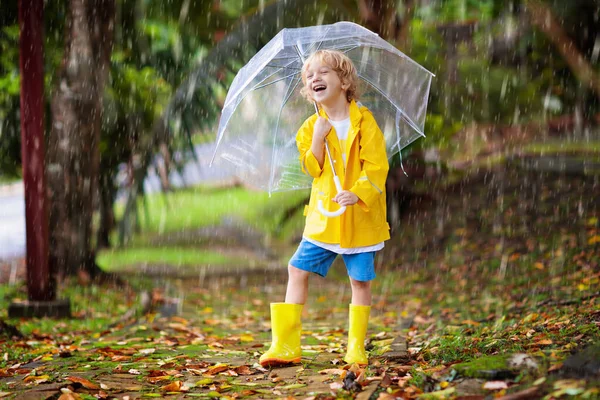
<point x="12" y="221"/>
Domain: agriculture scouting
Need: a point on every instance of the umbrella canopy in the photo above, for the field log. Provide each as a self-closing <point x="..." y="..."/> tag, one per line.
<point x="264" y="109"/>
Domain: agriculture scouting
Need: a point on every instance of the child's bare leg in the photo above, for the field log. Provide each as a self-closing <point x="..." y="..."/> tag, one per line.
<point x="297" y="287"/>
<point x="361" y="292"/>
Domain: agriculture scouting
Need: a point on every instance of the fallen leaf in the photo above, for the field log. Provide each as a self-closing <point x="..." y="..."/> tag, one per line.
<point x="84" y="382"/>
<point x="495" y="385"/>
<point x="69" y="396"/>
<point x="205" y="382"/>
<point x="332" y="371"/>
<point x="156" y="372"/>
<point x="538" y="265"/>
<point x="243" y="370"/>
<point x="217" y="368"/>
<point x="36" y="379"/>
<point x="174" y="386"/>
<point x="156" y="379"/>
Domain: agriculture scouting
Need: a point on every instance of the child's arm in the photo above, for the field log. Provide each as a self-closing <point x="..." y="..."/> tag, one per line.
<point x="320" y="131"/>
<point x="371" y="182"/>
<point x="310" y="140"/>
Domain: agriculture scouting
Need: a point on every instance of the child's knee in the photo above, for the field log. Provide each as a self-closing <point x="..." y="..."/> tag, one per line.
<point x="360" y="285"/>
<point x="297" y="273"/>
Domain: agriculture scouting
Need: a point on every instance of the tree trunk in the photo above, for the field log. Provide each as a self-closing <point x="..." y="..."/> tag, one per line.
<point x="543" y="18"/>
<point x="73" y="154"/>
<point x="380" y="16"/>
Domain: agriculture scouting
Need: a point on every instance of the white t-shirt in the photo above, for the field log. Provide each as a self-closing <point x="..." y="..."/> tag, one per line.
<point x="339" y="250"/>
<point x="341" y="129"/>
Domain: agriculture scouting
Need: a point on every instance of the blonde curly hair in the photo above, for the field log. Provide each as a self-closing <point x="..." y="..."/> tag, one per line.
<point x="341" y="64"/>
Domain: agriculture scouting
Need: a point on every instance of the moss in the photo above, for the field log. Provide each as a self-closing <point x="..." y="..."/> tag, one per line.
<point x="489" y="367"/>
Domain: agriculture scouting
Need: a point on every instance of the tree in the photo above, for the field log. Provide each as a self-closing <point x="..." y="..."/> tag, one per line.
<point x="544" y="19"/>
<point x="73" y="154"/>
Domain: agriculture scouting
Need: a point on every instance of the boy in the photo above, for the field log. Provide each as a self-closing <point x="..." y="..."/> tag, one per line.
<point x="358" y="152"/>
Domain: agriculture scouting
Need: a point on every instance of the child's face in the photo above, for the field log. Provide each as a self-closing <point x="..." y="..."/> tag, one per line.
<point x="323" y="83"/>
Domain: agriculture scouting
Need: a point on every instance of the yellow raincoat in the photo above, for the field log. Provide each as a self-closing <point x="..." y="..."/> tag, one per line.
<point x="364" y="223"/>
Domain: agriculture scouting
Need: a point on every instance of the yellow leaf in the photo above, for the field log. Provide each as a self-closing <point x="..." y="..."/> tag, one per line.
<point x="538" y="265"/>
<point x="217" y="368"/>
<point x="592" y="221"/>
<point x="382" y="343"/>
<point x="530" y="317"/>
<point x="174" y="386"/>
<point x="247" y="338"/>
<point x="544" y="342"/>
<point x="204" y="382"/>
<point x="594" y="239"/>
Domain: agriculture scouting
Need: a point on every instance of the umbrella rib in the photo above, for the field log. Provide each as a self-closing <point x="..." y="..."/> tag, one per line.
<point x="283" y="103"/>
<point x="283" y="67"/>
<point x="321" y="41"/>
<point x="351" y="48"/>
<point x="268" y="76"/>
<point x="406" y="117"/>
<point x="240" y="99"/>
<point x="272" y="82"/>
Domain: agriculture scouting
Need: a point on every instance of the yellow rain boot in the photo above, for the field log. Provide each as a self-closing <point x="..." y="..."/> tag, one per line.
<point x="357" y="331"/>
<point x="285" y="330"/>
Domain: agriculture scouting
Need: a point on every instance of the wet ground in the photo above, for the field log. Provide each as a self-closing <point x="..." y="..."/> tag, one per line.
<point x="504" y="263"/>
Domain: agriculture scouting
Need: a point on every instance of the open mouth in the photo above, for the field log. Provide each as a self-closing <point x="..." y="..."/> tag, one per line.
<point x="319" y="88"/>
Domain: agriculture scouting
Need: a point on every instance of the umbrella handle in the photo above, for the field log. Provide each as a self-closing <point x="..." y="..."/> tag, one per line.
<point x="329" y="214"/>
<point x="341" y="210"/>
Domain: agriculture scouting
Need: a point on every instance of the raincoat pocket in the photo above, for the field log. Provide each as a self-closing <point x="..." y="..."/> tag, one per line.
<point x="314" y="219"/>
<point x="369" y="219"/>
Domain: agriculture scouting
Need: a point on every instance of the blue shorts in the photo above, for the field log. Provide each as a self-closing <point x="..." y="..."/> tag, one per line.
<point x="312" y="258"/>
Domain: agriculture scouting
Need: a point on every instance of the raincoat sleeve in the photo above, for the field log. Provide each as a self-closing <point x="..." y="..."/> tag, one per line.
<point x="371" y="182"/>
<point x="308" y="161"/>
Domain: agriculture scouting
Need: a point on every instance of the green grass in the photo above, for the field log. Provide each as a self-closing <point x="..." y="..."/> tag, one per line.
<point x="112" y="260"/>
<point x="200" y="207"/>
<point x="164" y="215"/>
<point x="552" y="147"/>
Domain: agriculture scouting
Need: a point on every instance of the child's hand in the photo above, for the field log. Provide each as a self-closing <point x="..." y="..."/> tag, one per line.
<point x="321" y="129"/>
<point x="345" y="198"/>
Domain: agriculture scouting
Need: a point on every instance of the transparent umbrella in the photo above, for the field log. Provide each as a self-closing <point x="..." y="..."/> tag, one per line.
<point x="264" y="109"/>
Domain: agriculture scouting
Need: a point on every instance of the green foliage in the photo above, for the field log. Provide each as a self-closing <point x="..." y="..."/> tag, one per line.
<point x="458" y="10"/>
<point x="498" y="80"/>
<point x="10" y="143"/>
